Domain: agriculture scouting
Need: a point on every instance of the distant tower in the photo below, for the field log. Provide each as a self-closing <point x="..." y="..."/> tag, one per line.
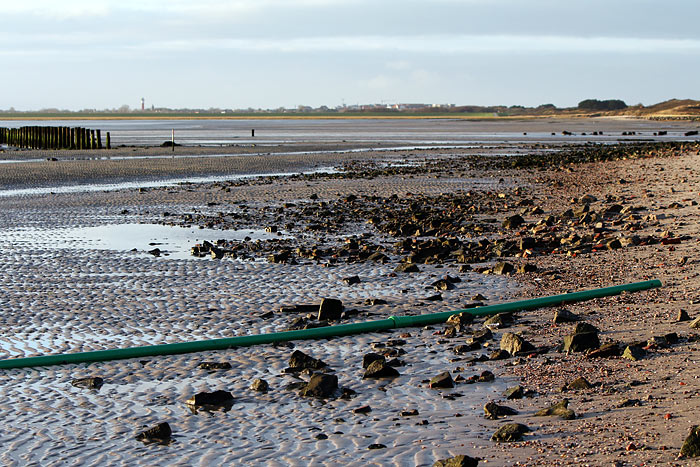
<point x="143" y="104"/>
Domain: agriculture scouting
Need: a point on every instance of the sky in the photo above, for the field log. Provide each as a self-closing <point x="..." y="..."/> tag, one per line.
<point x="237" y="54"/>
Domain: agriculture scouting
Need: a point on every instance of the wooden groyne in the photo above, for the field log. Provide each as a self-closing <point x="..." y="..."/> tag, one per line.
<point x="52" y="137"/>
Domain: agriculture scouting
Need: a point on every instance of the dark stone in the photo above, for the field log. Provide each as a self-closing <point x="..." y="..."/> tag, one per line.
<point x="499" y="355"/>
<point x="299" y="361"/>
<point x="585" y="327"/>
<point x="363" y="409"/>
<point x="605" y="351"/>
<point x="513" y="222"/>
<point x="581" y="342"/>
<point x="160" y="432"/>
<point x="510" y="432"/>
<point x="682" y="316"/>
<point x="410" y="413"/>
<point x="503" y="269"/>
<point x="513" y="343"/>
<point x="352" y="280"/>
<point x="215" y="366"/>
<point x="634" y="353"/>
<point x="376" y="446"/>
<point x="155" y="252"/>
<point x="500" y="320"/>
<point x="493" y="411"/>
<point x="691" y="445"/>
<point x="485" y="377"/>
<point x="443" y="380"/>
<point x="219" y="397"/>
<point x="579" y="383"/>
<point x="464" y="348"/>
<point x="482" y="335"/>
<point x="379" y="369"/>
<point x="299" y="309"/>
<point x="565" y="316"/>
<point x="560" y="409"/>
<point x="330" y="309"/>
<point x="321" y="436"/>
<point x="695" y="324"/>
<point x="460" y="321"/>
<point x="516" y="392"/>
<point x="525" y="268"/>
<point x="320" y="385"/>
<point x="371" y="357"/>
<point x="94" y="382"/>
<point x="457" y="461"/>
<point x="259" y="385"/>
<point x="406" y="267"/>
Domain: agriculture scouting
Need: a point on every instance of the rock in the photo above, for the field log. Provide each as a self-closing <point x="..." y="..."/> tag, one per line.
<point x="320" y="385"/>
<point x="513" y="343"/>
<point x="482" y="335"/>
<point x="379" y="369"/>
<point x="219" y="397"/>
<point x="691" y="445"/>
<point x="460" y="321"/>
<point x="259" y="385"/>
<point x="605" y="351"/>
<point x="371" y="357"/>
<point x="376" y="446"/>
<point x="499" y="355"/>
<point x="406" y="267"/>
<point x="215" y="366"/>
<point x="94" y="382"/>
<point x="485" y="377"/>
<point x="443" y="380"/>
<point x="155" y="252"/>
<point x="330" y="309"/>
<point x="510" y="432"/>
<point x="525" y="268"/>
<point x="493" y="411"/>
<point x="363" y="409"/>
<point x="585" y="327"/>
<point x="299" y="361"/>
<point x="502" y="269"/>
<point x="457" y="461"/>
<point x="410" y="413"/>
<point x="579" y="383"/>
<point x="565" y="316"/>
<point x="516" y="392"/>
<point x="478" y="297"/>
<point x="682" y="316"/>
<point x="634" y="353"/>
<point x="513" y="222"/>
<point x="501" y="320"/>
<point x="695" y="324"/>
<point x="352" y="280"/>
<point x="321" y="436"/>
<point x="160" y="432"/>
<point x="581" y="342"/>
<point x="559" y="409"/>
<point x="378" y="257"/>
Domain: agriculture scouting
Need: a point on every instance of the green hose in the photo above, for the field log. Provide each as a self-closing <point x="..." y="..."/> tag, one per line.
<point x="318" y="333"/>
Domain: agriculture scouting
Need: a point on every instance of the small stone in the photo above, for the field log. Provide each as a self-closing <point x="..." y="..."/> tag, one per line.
<point x="695" y="324"/>
<point x="320" y="385"/>
<point x="499" y="355"/>
<point x="493" y="411"/>
<point x="376" y="446"/>
<point x="94" y="382"/>
<point x="513" y="343"/>
<point x="299" y="361"/>
<point x="565" y="316"/>
<point x="363" y="409"/>
<point x="457" y="461"/>
<point x="371" y="357"/>
<point x="486" y="377"/>
<point x="460" y="321"/>
<point x="582" y="328"/>
<point x="559" y="409"/>
<point x="406" y="267"/>
<point x="605" y="351"/>
<point x="525" y="268"/>
<point x="160" y="432"/>
<point x="352" y="280"/>
<point x="500" y="320"/>
<point x="443" y="380"/>
<point x="510" y="432"/>
<point x="260" y="385"/>
<point x="634" y="353"/>
<point x="516" y="392"/>
<point x="513" y="222"/>
<point x="581" y="342"/>
<point x="379" y="369"/>
<point x="155" y="252"/>
<point x="579" y="383"/>
<point x="503" y="269"/>
<point x="219" y="397"/>
<point x="682" y="316"/>
<point x="691" y="445"/>
<point x="215" y="366"/>
<point x="321" y="436"/>
<point x="330" y="309"/>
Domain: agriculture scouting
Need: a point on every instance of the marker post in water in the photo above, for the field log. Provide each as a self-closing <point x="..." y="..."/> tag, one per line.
<point x="172" y="140"/>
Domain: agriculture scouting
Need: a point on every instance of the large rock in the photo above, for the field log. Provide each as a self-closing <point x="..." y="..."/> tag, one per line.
<point x="691" y="445"/>
<point x="457" y="461"/>
<point x="565" y="316"/>
<point x="320" y="385"/>
<point x="406" y="267"/>
<point x="219" y="397"/>
<point x="503" y="268"/>
<point x="493" y="411"/>
<point x="379" y="369"/>
<point x="371" y="357"/>
<point x="330" y="309"/>
<point x="513" y="343"/>
<point x="259" y="385"/>
<point x="460" y="321"/>
<point x="634" y="353"/>
<point x="513" y="222"/>
<point x="581" y="342"/>
<point x="300" y="361"/>
<point x="510" y="432"/>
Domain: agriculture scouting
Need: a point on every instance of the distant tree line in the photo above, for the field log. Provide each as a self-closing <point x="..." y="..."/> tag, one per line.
<point x="596" y="105"/>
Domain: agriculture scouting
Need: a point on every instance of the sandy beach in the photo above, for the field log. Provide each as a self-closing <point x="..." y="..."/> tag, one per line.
<point x="592" y="223"/>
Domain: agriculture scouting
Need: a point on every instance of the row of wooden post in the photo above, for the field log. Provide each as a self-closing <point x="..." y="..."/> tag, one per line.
<point x="51" y="137"/>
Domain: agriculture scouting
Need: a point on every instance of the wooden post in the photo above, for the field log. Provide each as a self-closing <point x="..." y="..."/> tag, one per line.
<point x="99" y="140"/>
<point x="252" y="133"/>
<point x="109" y="143"/>
<point x="172" y="140"/>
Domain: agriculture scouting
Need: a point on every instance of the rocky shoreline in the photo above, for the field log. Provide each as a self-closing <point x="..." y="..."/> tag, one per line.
<point x="609" y="381"/>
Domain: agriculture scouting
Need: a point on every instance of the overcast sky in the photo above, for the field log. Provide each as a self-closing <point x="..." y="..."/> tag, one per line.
<point x="77" y="54"/>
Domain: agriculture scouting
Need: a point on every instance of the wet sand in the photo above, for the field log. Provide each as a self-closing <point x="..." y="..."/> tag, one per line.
<point x="71" y="299"/>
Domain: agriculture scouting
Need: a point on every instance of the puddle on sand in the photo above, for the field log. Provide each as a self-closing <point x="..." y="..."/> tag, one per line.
<point x="173" y="241"/>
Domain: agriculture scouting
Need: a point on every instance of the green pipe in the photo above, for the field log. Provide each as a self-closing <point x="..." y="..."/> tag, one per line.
<point x="318" y="333"/>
